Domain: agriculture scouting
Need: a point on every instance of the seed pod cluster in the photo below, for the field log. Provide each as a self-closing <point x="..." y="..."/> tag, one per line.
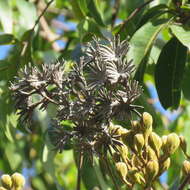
<point x="14" y="182"/>
<point x="145" y="155"/>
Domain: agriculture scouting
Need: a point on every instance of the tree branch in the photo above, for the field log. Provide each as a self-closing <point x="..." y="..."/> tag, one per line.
<point x="134" y="13"/>
<point x="185" y="182"/>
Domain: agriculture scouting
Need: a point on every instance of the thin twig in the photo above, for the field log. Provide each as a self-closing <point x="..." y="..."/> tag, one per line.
<point x="134" y="13"/>
<point x="110" y="173"/>
<point x="115" y="11"/>
<point x="185" y="182"/>
<point x="42" y="13"/>
<point x="79" y="167"/>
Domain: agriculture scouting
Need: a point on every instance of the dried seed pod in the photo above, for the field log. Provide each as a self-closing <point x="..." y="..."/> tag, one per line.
<point x="121" y="167"/>
<point x="172" y="144"/>
<point x="186" y="167"/>
<point x="152" y="169"/>
<point x="164" y="166"/>
<point x="155" y="142"/>
<point x="183" y="144"/>
<point x="6" y="181"/>
<point x="138" y="142"/>
<point x="18" y="180"/>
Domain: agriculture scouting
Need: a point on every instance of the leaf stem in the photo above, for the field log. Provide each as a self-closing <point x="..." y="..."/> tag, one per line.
<point x="136" y="11"/>
<point x="185" y="182"/>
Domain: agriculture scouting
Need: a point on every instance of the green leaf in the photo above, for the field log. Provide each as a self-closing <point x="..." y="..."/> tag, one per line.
<point x="28" y="14"/>
<point x="95" y="13"/>
<point x="169" y="73"/>
<point x="76" y="10"/>
<point x="152" y="12"/>
<point x="6" y="17"/>
<point x="141" y="42"/>
<point x="87" y="29"/>
<point x="182" y="33"/>
<point x="7" y="39"/>
<point x="83" y="4"/>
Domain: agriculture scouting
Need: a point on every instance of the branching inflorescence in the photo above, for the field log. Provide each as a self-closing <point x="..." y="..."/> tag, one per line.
<point x="92" y="94"/>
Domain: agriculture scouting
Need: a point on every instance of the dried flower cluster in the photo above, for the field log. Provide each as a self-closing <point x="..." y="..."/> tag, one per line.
<point x="14" y="182"/>
<point x="91" y="94"/>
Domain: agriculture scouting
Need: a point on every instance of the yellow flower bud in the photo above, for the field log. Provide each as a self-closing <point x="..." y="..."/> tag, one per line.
<point x="123" y="151"/>
<point x="138" y="142"/>
<point x="2" y="188"/>
<point x="121" y="167"/>
<point x="152" y="169"/>
<point x="18" y="180"/>
<point x="6" y="181"/>
<point x="135" y="176"/>
<point x="147" y="120"/>
<point x="151" y="155"/>
<point x="164" y="166"/>
<point x="186" y="167"/>
<point x="155" y="142"/>
<point x="183" y="144"/>
<point x="172" y="143"/>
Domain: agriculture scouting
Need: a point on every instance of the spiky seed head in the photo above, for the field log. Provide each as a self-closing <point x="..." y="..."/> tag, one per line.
<point x="6" y="181"/>
<point x="186" y="167"/>
<point x="18" y="180"/>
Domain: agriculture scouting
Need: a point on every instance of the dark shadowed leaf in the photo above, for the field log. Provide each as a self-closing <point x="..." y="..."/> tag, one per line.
<point x="169" y="73"/>
<point x="186" y="82"/>
<point x="95" y="13"/>
<point x="7" y="39"/>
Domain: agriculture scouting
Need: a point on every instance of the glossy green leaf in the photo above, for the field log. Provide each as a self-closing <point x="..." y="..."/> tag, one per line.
<point x="95" y="13"/>
<point x="7" y="39"/>
<point x="169" y="73"/>
<point x="141" y="42"/>
<point x="87" y="29"/>
<point x="182" y="33"/>
<point x="152" y="12"/>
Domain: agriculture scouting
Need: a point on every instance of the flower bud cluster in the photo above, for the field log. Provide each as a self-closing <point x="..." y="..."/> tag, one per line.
<point x="14" y="182"/>
<point x="144" y="155"/>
